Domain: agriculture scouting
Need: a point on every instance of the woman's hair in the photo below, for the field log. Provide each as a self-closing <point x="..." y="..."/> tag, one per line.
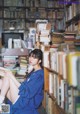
<point x="37" y="53"/>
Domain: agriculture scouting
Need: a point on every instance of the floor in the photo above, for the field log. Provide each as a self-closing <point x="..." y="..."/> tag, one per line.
<point x="42" y="110"/>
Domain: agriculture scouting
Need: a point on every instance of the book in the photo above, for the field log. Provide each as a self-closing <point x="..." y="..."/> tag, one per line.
<point x="51" y="81"/>
<point x="72" y="59"/>
<point x="46" y="59"/>
<point x="78" y="73"/>
<point x="77" y="105"/>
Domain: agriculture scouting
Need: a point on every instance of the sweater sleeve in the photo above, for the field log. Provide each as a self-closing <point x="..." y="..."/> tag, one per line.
<point x="30" y="89"/>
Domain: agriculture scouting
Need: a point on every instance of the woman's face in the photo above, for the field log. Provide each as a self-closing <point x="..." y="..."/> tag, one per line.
<point x="33" y="61"/>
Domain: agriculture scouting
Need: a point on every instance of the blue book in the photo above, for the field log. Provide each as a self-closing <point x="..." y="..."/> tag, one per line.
<point x="77" y="105"/>
<point x="78" y="73"/>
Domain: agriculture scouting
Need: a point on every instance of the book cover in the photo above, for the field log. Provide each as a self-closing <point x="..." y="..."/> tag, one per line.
<point x="77" y="105"/>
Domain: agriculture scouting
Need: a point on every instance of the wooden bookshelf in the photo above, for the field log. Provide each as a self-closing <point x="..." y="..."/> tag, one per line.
<point x="72" y="15"/>
<point x="57" y="109"/>
<point x="59" y="87"/>
<point x="19" y="13"/>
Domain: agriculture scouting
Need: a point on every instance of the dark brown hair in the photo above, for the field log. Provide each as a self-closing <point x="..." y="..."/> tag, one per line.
<point x="37" y="53"/>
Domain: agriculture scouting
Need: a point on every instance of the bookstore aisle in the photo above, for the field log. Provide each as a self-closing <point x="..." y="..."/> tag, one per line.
<point x="54" y="27"/>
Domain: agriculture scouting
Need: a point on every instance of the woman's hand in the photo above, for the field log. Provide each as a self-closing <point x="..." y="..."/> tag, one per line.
<point x="2" y="73"/>
<point x="5" y="72"/>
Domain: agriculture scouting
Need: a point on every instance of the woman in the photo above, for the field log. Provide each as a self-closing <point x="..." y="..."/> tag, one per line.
<point x="27" y="96"/>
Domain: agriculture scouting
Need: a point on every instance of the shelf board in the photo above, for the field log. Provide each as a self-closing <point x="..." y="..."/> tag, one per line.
<point x="13" y="18"/>
<point x="51" y="70"/>
<point x="33" y="19"/>
<point x="16" y="7"/>
<point x="26" y="7"/>
<point x="29" y="18"/>
<point x="51" y="96"/>
<point x="62" y="111"/>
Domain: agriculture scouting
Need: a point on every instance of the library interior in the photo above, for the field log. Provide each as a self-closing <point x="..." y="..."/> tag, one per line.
<point x="53" y="26"/>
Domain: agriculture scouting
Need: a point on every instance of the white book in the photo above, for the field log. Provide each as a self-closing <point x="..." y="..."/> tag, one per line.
<point x="58" y="92"/>
<point x="74" y="70"/>
<point x="64" y="66"/>
<point x="57" y="62"/>
<point x="62" y="93"/>
<point x="51" y="81"/>
<point x="46" y="59"/>
<point x="55" y="86"/>
<point x="45" y="39"/>
<point x="10" y="43"/>
<point x="17" y="43"/>
<point x="53" y="61"/>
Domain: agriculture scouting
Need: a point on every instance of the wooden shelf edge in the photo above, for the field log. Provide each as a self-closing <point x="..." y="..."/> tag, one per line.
<point x="55" y="102"/>
<point x="51" y="70"/>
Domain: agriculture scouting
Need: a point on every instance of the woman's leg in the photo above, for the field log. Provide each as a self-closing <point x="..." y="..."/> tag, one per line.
<point x="0" y="84"/>
<point x="1" y="97"/>
<point x="9" y="89"/>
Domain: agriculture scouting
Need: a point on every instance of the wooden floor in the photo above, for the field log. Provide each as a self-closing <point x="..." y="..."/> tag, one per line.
<point x="42" y="110"/>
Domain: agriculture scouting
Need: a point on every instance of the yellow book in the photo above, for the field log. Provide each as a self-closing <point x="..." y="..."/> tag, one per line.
<point x="72" y="68"/>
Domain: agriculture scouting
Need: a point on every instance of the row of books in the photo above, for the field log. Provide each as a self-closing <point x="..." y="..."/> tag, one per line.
<point x="14" y="13"/>
<point x="72" y="15"/>
<point x="41" y="13"/>
<point x="62" y="81"/>
<point x="67" y="98"/>
<point x="65" y="64"/>
<point x="20" y="24"/>
<point x="72" y="10"/>
<point x="34" y="3"/>
<point x="77" y="42"/>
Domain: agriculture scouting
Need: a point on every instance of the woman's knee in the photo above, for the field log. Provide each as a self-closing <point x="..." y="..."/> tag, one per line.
<point x="0" y="83"/>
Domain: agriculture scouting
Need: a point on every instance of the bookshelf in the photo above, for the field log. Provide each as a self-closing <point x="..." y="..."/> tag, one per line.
<point x="51" y="100"/>
<point x="6" y="36"/>
<point x="22" y="14"/>
<point x="61" y="85"/>
<point x="72" y="15"/>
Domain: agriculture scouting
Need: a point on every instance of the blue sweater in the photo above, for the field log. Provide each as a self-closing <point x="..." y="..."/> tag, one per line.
<point x="31" y="94"/>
